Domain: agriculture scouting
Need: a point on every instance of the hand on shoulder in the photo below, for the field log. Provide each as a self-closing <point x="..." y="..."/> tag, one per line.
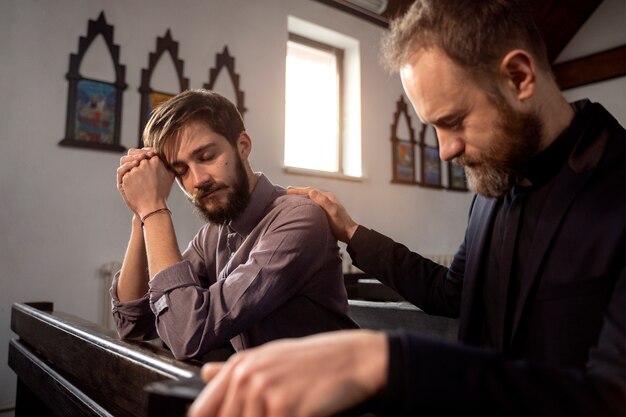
<point x="341" y="223"/>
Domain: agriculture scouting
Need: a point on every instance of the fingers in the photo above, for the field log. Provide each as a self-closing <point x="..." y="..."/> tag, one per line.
<point x="234" y="389"/>
<point x="312" y="193"/>
<point x="135" y="151"/>
<point x="326" y="200"/>
<point x="124" y="169"/>
<point x="133" y="159"/>
<point x="299" y="190"/>
<point x="233" y="402"/>
<point x="137" y="155"/>
<point x="209" y="370"/>
<point x="207" y="404"/>
<point x="246" y="391"/>
<point x="210" y="401"/>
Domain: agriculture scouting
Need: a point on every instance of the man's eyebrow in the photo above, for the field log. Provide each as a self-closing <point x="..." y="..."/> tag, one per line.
<point x="194" y="153"/>
<point x="448" y="119"/>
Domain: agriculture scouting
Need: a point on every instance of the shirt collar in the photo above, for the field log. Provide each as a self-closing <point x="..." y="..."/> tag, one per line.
<point x="546" y="165"/>
<point x="262" y="195"/>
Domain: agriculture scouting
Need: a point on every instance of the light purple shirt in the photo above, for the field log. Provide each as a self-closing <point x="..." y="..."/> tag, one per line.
<point x="273" y="273"/>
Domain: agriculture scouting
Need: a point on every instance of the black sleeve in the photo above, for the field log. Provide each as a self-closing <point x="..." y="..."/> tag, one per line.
<point x="430" y="286"/>
<point x="428" y="377"/>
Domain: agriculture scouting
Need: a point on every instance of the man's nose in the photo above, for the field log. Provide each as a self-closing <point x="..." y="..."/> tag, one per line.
<point x="451" y="144"/>
<point x="199" y="177"/>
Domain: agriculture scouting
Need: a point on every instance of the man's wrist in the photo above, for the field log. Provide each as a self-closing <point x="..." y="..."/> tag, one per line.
<point x="162" y="210"/>
<point x="136" y="220"/>
<point x="143" y="211"/>
<point x="350" y="231"/>
<point x="374" y="346"/>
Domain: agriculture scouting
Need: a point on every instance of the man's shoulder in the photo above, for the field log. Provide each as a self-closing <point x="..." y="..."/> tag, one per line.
<point x="289" y="202"/>
<point x="288" y="207"/>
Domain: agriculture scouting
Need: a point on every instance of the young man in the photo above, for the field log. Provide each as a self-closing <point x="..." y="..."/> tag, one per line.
<point x="265" y="266"/>
<point x="538" y="282"/>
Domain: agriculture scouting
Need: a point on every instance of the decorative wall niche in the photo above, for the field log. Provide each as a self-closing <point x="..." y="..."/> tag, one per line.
<point x="151" y="97"/>
<point x="94" y="107"/>
<point x="430" y="162"/>
<point x="403" y="149"/>
<point x="225" y="60"/>
<point x="457" y="180"/>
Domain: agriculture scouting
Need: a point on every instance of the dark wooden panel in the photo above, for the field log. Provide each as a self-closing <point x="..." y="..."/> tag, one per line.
<point x="386" y="316"/>
<point x="109" y="371"/>
<point x="42" y="391"/>
<point x="361" y="286"/>
<point x="69" y="367"/>
<point x="590" y="69"/>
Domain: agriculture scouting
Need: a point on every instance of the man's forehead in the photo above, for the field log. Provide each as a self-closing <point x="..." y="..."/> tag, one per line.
<point x="436" y="86"/>
<point x="191" y="135"/>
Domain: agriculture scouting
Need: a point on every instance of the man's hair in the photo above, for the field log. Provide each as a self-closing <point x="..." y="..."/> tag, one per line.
<point x="204" y="106"/>
<point x="475" y="34"/>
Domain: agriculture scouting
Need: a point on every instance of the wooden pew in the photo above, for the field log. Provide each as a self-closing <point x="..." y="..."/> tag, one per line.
<point x="373" y="305"/>
<point x="67" y="366"/>
<point x="396" y="315"/>
<point x="361" y="286"/>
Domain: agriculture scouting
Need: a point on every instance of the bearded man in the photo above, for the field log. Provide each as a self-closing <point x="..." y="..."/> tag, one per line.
<point x="265" y="266"/>
<point x="538" y="283"/>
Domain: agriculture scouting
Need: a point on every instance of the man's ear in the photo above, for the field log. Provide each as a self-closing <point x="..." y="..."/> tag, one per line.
<point x="244" y="145"/>
<point x="519" y="70"/>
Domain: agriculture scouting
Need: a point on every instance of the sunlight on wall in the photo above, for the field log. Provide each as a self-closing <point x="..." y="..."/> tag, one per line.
<point x="346" y="157"/>
<point x="312" y="113"/>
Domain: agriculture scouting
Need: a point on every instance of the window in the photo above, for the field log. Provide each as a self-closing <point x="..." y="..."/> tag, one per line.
<point x="313" y="105"/>
<point x="319" y="137"/>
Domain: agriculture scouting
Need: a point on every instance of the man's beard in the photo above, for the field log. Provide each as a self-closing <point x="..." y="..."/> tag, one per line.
<point x="236" y="200"/>
<point x="515" y="143"/>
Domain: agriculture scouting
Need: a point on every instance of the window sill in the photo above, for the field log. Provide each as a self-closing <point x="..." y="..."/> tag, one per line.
<point x="322" y="174"/>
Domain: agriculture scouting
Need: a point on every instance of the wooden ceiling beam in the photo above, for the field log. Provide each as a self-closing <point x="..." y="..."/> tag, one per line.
<point x="592" y="68"/>
<point x="559" y="20"/>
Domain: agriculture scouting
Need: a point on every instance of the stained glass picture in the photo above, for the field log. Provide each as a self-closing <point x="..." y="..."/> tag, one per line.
<point x="95" y="112"/>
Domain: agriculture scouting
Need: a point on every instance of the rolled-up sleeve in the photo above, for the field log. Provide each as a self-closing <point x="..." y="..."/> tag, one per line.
<point x="192" y="319"/>
<point x="133" y="319"/>
<point x="136" y="319"/>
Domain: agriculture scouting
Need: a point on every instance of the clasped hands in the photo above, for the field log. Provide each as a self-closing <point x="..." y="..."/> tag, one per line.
<point x="143" y="180"/>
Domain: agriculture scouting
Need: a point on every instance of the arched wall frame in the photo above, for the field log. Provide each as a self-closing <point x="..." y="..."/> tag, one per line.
<point x="225" y="60"/>
<point x="431" y="166"/>
<point x="403" y="150"/>
<point x="404" y="156"/>
<point x="151" y="97"/>
<point x="94" y="107"/>
<point x="457" y="181"/>
<point x="430" y="162"/>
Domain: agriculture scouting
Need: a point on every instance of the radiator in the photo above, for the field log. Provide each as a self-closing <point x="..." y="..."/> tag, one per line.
<point x="107" y="271"/>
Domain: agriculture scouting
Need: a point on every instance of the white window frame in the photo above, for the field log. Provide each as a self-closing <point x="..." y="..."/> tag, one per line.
<point x="349" y="141"/>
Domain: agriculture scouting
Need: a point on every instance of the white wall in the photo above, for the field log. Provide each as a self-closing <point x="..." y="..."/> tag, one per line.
<point x="604" y="30"/>
<point x="60" y="215"/>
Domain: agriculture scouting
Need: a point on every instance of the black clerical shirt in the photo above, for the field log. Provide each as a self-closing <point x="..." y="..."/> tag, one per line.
<point x="513" y="231"/>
